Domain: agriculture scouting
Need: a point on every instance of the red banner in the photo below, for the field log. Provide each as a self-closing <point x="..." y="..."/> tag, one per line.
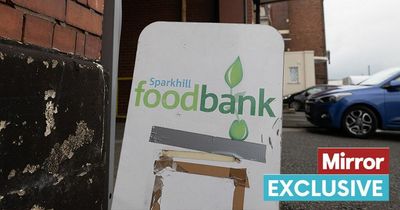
<point x="348" y="160"/>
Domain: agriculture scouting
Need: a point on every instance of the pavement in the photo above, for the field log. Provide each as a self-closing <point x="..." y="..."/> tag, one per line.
<point x="292" y="119"/>
<point x="300" y="141"/>
<point x="299" y="156"/>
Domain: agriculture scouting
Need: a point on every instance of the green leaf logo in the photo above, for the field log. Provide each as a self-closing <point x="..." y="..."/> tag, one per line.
<point x="238" y="130"/>
<point x="234" y="74"/>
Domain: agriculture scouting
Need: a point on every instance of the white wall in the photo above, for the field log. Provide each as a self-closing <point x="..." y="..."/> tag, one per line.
<point x="304" y="61"/>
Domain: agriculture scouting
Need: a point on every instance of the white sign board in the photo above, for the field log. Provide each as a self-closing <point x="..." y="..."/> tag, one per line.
<point x="204" y="119"/>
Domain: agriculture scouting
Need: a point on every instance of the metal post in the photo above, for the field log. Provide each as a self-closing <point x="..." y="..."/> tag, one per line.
<point x="110" y="54"/>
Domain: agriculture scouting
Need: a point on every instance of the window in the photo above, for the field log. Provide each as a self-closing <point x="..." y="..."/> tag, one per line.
<point x="315" y="90"/>
<point x="294" y="75"/>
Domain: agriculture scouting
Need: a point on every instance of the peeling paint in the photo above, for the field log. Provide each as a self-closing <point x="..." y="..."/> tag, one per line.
<point x="20" y="192"/>
<point x="82" y="174"/>
<point x="37" y="207"/>
<point x="49" y="94"/>
<point x="30" y="168"/>
<point x="54" y="63"/>
<point x="99" y="66"/>
<point x="59" y="179"/>
<point x="59" y="153"/>
<point x="3" y="124"/>
<point x="49" y="114"/>
<point x="11" y="174"/>
<point x="22" y="56"/>
<point x="19" y="141"/>
<point x="29" y="60"/>
<point x="50" y="111"/>
<point x="45" y="63"/>
<point x="22" y="133"/>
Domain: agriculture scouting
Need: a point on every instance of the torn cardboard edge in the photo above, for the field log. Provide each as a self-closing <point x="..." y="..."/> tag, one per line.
<point x="206" y="143"/>
<point x="198" y="156"/>
<point x="238" y="175"/>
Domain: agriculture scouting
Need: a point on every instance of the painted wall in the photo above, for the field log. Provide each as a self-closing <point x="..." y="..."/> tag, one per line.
<point x="305" y="21"/>
<point x="304" y="61"/>
<point x="52" y="130"/>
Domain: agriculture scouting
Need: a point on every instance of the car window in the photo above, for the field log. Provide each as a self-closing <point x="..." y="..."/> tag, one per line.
<point x="315" y="90"/>
<point x="380" y="77"/>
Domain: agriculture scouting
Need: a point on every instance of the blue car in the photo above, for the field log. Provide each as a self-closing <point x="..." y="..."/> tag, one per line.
<point x="359" y="110"/>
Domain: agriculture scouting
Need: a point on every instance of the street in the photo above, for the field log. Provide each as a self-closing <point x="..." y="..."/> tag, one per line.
<point x="299" y="156"/>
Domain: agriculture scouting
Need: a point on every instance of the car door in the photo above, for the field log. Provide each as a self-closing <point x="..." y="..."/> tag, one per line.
<point x="392" y="107"/>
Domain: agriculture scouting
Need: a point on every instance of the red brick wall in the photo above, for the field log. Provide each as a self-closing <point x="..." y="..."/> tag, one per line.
<point x="279" y="14"/>
<point x="249" y="11"/>
<point x="307" y="29"/>
<point x="233" y="11"/>
<point x="70" y="26"/>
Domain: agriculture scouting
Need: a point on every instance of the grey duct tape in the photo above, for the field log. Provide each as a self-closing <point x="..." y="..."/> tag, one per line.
<point x="207" y="143"/>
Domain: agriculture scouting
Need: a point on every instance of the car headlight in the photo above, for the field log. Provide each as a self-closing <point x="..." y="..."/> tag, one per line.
<point x="332" y="98"/>
<point x="286" y="97"/>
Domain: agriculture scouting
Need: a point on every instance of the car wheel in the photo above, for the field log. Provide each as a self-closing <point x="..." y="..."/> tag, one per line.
<point x="295" y="105"/>
<point x="360" y="122"/>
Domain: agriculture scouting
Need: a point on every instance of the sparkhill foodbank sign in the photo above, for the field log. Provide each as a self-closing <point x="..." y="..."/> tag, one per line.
<point x="204" y="119"/>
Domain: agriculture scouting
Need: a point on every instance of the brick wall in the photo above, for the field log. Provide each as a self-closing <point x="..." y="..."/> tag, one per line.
<point x="307" y="29"/>
<point x="279" y="14"/>
<point x="250" y="11"/>
<point x="70" y="26"/>
<point x="232" y="11"/>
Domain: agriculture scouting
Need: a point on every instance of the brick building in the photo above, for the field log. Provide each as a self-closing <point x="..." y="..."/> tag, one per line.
<point x="69" y="26"/>
<point x="75" y="26"/>
<point x="137" y="14"/>
<point x="301" y="23"/>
